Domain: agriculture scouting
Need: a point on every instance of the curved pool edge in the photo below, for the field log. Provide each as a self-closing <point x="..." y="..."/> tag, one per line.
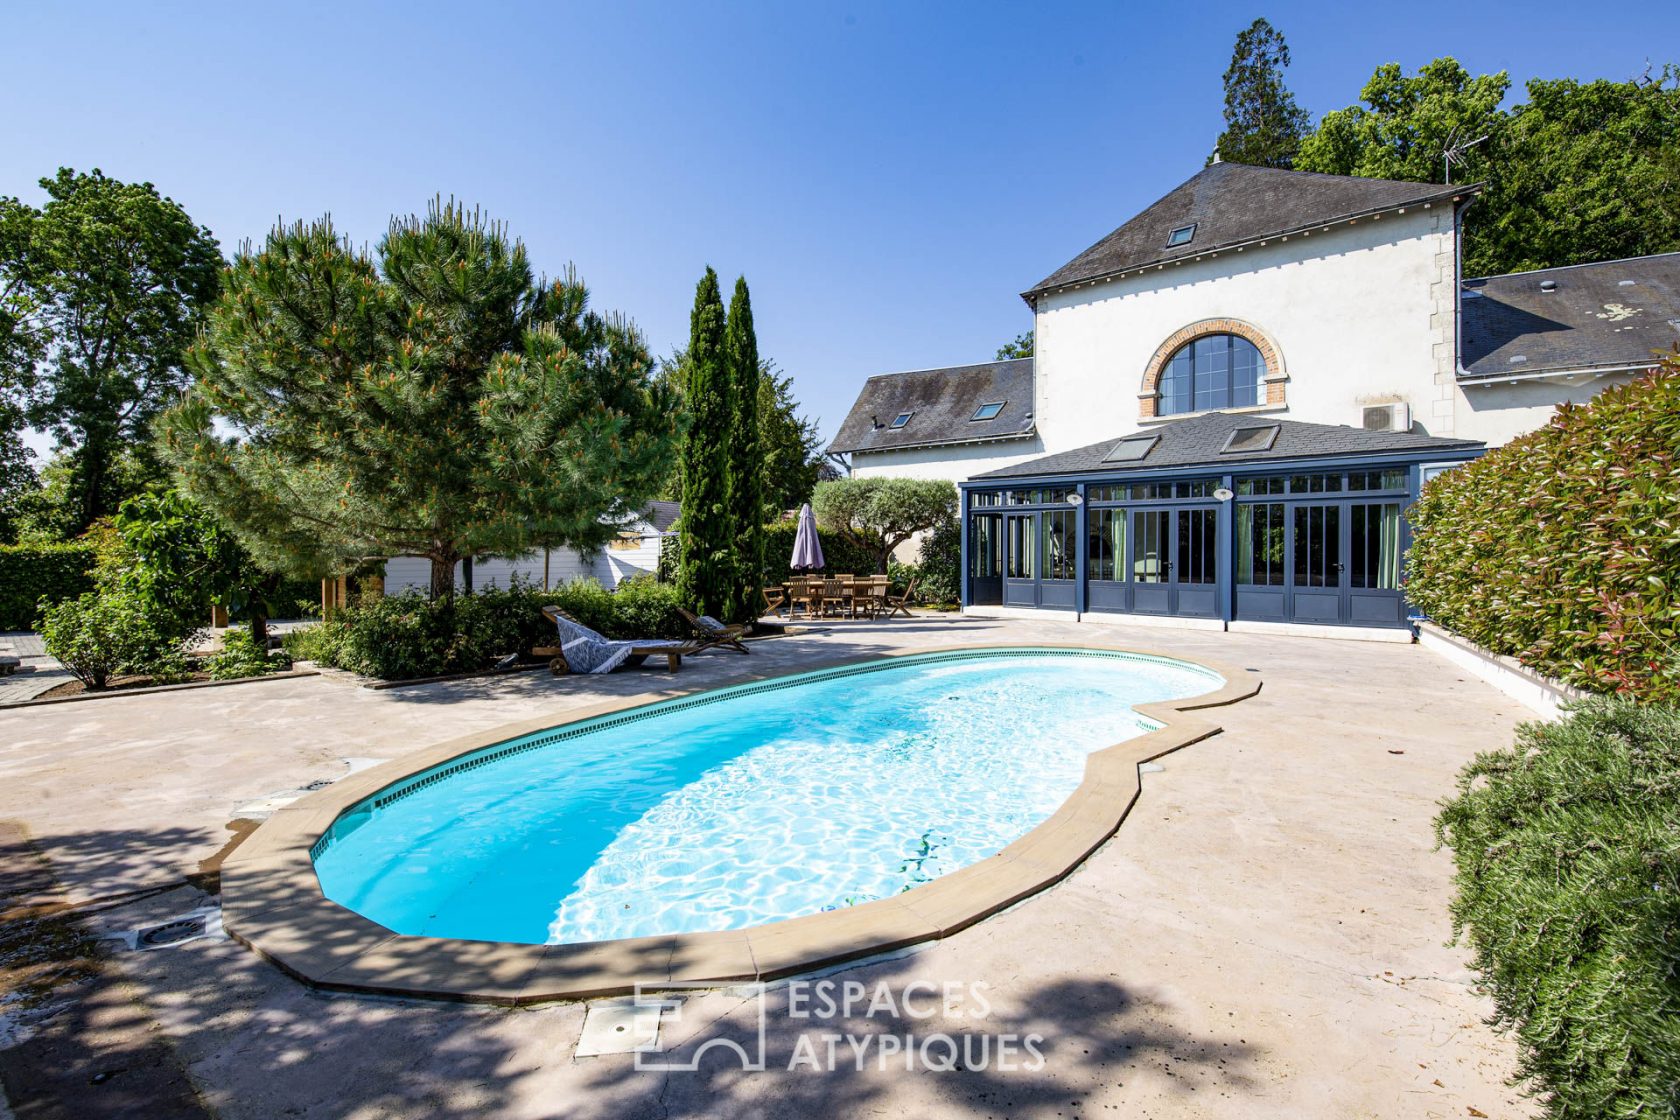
<point x="273" y="903"/>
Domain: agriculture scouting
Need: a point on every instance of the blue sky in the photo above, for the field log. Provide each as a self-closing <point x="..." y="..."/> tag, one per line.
<point x="888" y="177"/>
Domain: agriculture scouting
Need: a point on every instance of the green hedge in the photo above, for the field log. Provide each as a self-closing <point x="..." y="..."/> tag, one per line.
<point x="30" y="572"/>
<point x="1562" y="548"/>
<point x="1568" y="854"/>
<point x="843" y="553"/>
<point x="401" y="637"/>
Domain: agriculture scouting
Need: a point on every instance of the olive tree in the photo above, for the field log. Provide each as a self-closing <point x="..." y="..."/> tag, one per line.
<point x="885" y="512"/>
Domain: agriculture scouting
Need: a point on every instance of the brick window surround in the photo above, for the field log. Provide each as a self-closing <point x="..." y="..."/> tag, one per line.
<point x="1150" y="397"/>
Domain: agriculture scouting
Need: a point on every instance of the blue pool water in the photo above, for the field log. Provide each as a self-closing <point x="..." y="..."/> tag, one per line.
<point x="745" y="805"/>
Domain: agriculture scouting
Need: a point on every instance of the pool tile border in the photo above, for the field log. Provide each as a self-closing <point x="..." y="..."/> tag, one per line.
<point x="272" y="901"/>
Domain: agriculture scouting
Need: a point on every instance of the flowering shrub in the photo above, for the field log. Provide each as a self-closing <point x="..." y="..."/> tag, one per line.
<point x="1562" y="548"/>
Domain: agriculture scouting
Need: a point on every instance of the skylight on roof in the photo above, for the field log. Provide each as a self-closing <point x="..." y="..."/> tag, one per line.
<point x="1181" y="235"/>
<point x="901" y="419"/>
<point x="1132" y="449"/>
<point x="1257" y="438"/>
<point x="988" y="411"/>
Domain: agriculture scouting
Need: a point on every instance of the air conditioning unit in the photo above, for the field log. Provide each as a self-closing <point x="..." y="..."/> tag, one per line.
<point x="1395" y="417"/>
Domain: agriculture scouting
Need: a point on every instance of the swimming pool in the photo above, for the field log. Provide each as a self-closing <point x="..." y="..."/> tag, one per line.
<point x="744" y="805"/>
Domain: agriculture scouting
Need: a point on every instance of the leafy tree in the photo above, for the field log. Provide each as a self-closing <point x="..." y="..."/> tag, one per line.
<point x="1407" y="125"/>
<point x="17" y="474"/>
<point x="1581" y="172"/>
<point x="1020" y="347"/>
<point x="430" y="400"/>
<point x="21" y="347"/>
<point x="1263" y="125"/>
<point x="792" y="449"/>
<point x="790" y="443"/>
<point x="708" y="569"/>
<point x="886" y="512"/>
<point x="45" y="509"/>
<point x="746" y="453"/>
<point x="178" y="559"/>
<point x="101" y="292"/>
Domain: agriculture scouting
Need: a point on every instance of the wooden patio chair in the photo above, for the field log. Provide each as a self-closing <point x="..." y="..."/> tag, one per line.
<point x="712" y="634"/>
<point x="900" y="604"/>
<point x="775" y="602"/>
<point x="807" y="593"/>
<point x="595" y="653"/>
<point x="834" y="592"/>
<point x="872" y="597"/>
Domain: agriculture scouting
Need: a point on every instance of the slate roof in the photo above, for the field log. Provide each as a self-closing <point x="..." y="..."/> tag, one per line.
<point x="1233" y="204"/>
<point x="662" y="515"/>
<point x="942" y="403"/>
<point x="1583" y="316"/>
<point x="1196" y="440"/>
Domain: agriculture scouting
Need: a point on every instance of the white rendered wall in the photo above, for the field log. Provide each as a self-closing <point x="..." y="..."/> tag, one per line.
<point x="1361" y="314"/>
<point x="615" y="564"/>
<point x="403" y="573"/>
<point x="956" y="462"/>
<point x="1497" y="413"/>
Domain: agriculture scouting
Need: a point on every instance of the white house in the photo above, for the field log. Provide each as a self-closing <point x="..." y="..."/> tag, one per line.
<point x="635" y="551"/>
<point x="1235" y="394"/>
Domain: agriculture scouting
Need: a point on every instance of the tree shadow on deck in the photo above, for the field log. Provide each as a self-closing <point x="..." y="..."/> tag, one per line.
<point x="212" y="1016"/>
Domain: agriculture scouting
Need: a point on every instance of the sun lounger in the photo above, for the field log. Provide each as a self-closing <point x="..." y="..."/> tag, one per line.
<point x="583" y="650"/>
<point x="711" y="633"/>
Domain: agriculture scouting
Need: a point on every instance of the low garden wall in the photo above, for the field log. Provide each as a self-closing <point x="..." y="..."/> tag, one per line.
<point x="1539" y="694"/>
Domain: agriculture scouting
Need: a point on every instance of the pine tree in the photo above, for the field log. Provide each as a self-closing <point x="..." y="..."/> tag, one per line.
<point x="708" y="570"/>
<point x="747" y="458"/>
<point x="1263" y="125"/>
<point x="429" y="400"/>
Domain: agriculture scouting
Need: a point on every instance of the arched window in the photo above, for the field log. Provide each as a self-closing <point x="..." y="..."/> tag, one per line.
<point x="1214" y="371"/>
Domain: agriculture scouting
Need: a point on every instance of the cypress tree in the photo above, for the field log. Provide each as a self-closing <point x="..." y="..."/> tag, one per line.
<point x="746" y="453"/>
<point x="708" y="573"/>
<point x="1263" y="125"/>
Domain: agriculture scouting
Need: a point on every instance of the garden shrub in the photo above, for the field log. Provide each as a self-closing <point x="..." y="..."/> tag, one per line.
<point x="242" y="657"/>
<point x="1568" y="854"/>
<point x="321" y="643"/>
<point x="401" y="637"/>
<point x="100" y="634"/>
<point x="940" y="570"/>
<point x="30" y="573"/>
<point x="1562" y="548"/>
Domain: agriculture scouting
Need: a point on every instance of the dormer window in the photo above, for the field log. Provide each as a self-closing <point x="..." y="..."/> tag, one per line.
<point x="1132" y="449"/>
<point x="988" y="411"/>
<point x="1259" y="437"/>
<point x="900" y="420"/>
<point x="1181" y="236"/>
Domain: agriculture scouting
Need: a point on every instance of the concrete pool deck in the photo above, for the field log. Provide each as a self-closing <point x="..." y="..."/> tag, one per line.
<point x="1264" y="937"/>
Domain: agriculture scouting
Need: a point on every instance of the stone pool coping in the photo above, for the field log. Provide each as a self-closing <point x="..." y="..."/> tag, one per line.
<point x="272" y="901"/>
